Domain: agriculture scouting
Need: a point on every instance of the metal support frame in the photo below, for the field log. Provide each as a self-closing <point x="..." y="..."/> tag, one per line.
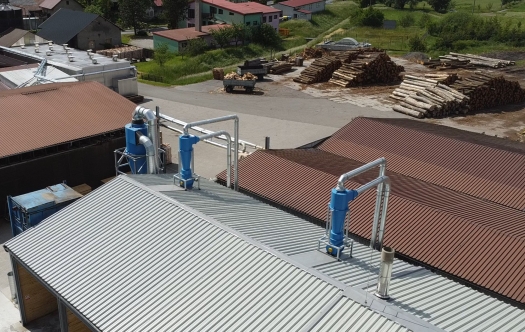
<point x="325" y="239"/>
<point x="21" y="308"/>
<point x="62" y="315"/>
<point x="122" y="158"/>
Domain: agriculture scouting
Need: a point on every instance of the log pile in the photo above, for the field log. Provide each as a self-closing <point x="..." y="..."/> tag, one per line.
<point x="314" y="53"/>
<point x="368" y="68"/>
<point x="126" y="52"/>
<point x="218" y="74"/>
<point x="234" y="76"/>
<point x="422" y="97"/>
<point x="489" y="90"/>
<point x="443" y="78"/>
<point x="280" y="67"/>
<point x="319" y="71"/>
<point x="477" y="60"/>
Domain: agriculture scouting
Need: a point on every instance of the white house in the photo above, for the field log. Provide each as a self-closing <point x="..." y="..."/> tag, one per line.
<point x="300" y="8"/>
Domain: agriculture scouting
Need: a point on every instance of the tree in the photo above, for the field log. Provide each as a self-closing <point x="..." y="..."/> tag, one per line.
<point x="416" y="44"/>
<point x="266" y="36"/>
<point x="370" y="17"/>
<point x="175" y="11"/>
<point x="133" y="12"/>
<point x="194" y="47"/>
<point x="162" y="54"/>
<point x="440" y="6"/>
<point x="239" y="33"/>
<point x="222" y="36"/>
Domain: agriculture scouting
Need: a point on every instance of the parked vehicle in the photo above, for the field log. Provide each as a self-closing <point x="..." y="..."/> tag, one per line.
<point x="248" y="85"/>
<point x="342" y="45"/>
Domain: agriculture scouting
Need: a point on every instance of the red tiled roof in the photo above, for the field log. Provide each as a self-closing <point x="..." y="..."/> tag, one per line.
<point x="46" y="115"/>
<point x="260" y="7"/>
<point x="476" y="240"/>
<point x="298" y="3"/>
<point x="188" y="33"/>
<point x="158" y="3"/>
<point x="462" y="161"/>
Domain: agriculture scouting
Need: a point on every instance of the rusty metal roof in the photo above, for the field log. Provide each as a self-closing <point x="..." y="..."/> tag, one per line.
<point x="479" y="241"/>
<point x="46" y="115"/>
<point x="475" y="164"/>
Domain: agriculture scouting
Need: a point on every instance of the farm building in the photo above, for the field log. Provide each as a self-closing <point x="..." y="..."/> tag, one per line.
<point x="301" y="9"/>
<point x="177" y="39"/>
<point x="86" y="120"/>
<point x="49" y="7"/>
<point x="80" y="30"/>
<point x="453" y="192"/>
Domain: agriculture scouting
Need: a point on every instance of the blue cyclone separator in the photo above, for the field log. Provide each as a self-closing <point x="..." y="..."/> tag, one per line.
<point x="133" y="147"/>
<point x="339" y="207"/>
<point x="186" y="143"/>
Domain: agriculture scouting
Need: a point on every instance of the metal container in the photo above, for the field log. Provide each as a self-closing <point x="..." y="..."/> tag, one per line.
<point x="12" y="286"/>
<point x="26" y="211"/>
<point x="385" y="273"/>
<point x="299" y="61"/>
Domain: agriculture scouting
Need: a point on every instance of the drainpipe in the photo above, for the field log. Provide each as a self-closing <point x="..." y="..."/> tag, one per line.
<point x="186" y="139"/>
<point x="150" y="152"/>
<point x="385" y="273"/>
<point x="144" y="113"/>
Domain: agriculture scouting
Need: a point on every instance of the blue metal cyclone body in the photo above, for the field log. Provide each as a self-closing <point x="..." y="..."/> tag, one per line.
<point x="339" y="207"/>
<point x="133" y="147"/>
<point x="186" y="143"/>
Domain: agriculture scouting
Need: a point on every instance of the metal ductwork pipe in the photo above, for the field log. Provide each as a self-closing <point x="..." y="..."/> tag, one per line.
<point x="385" y="273"/>
<point x="228" y="152"/>
<point x="12" y="286"/>
<point x="150" y="152"/>
<point x="142" y="113"/>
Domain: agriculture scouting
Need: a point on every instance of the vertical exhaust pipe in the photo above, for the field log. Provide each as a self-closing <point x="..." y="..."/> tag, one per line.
<point x="385" y="273"/>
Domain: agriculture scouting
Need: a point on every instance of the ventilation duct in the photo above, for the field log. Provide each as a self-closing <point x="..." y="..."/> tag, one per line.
<point x="385" y="273"/>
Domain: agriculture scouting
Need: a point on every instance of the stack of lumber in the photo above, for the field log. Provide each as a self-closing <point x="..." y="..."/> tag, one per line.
<point x="319" y="71"/>
<point x="280" y="67"/>
<point x="82" y="189"/>
<point x="477" y="60"/>
<point x="444" y="78"/>
<point x="375" y="67"/>
<point x="314" y="53"/>
<point x="235" y="76"/>
<point x="126" y="52"/>
<point x="218" y="74"/>
<point x="347" y="56"/>
<point x="489" y="90"/>
<point x="422" y="97"/>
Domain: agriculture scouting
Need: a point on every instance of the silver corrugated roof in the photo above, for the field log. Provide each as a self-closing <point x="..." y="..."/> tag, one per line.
<point x="130" y="259"/>
<point x="440" y="301"/>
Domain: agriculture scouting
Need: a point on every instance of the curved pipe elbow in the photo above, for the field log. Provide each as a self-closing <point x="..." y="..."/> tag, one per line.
<point x="381" y="162"/>
<point x="143" y="113"/>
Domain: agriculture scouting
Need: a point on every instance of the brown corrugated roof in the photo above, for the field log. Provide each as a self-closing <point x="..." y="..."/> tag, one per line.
<point x="45" y="115"/>
<point x="479" y="241"/>
<point x="487" y="168"/>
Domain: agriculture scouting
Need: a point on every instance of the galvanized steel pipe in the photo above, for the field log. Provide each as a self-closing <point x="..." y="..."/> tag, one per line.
<point x="144" y="113"/>
<point x="228" y="152"/>
<point x="187" y="126"/>
<point x="385" y="273"/>
<point x="150" y="152"/>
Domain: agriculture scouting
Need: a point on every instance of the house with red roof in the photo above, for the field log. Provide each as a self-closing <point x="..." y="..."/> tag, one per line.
<point x="301" y="9"/>
<point x="49" y="7"/>
<point x="177" y="39"/>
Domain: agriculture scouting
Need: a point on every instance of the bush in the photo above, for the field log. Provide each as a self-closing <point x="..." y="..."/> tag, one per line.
<point x="407" y="20"/>
<point x="425" y="20"/>
<point x="416" y="44"/>
<point x="195" y="47"/>
<point x="366" y="3"/>
<point x="222" y="36"/>
<point x="162" y="54"/>
<point x="440" y="6"/>
<point x="369" y="17"/>
<point x="142" y="33"/>
<point x="265" y="35"/>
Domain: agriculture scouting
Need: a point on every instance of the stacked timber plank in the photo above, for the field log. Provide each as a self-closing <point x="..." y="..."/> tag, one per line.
<point x="422" y="97"/>
<point x="443" y="78"/>
<point x="319" y="71"/>
<point x="280" y="67"/>
<point x="126" y="52"/>
<point x="368" y="68"/>
<point x="489" y="90"/>
<point x="477" y="60"/>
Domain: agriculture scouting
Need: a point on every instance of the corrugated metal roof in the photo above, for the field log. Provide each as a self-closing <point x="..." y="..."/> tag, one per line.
<point x="436" y="299"/>
<point x="466" y="162"/>
<point x="130" y="259"/>
<point x="46" y="115"/>
<point x="473" y="239"/>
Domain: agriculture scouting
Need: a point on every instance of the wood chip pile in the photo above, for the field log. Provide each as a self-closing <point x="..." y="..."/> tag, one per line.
<point x="218" y="74"/>
<point x="465" y="61"/>
<point x="280" y="67"/>
<point x="235" y="76"/>
<point x="422" y="97"/>
<point x="319" y="71"/>
<point x="127" y="52"/>
<point x="368" y="68"/>
<point x="489" y="90"/>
